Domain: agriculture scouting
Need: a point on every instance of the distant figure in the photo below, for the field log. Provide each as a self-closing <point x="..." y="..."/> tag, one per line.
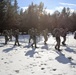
<point x="56" y="34"/>
<point x="5" y="33"/>
<point x="16" y="35"/>
<point x="64" y="34"/>
<point x="45" y="34"/>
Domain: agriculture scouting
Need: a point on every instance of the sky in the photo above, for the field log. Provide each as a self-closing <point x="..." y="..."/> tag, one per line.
<point x="51" y="5"/>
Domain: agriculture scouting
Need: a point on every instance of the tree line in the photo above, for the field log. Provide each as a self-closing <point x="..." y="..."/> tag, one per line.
<point x="12" y="17"/>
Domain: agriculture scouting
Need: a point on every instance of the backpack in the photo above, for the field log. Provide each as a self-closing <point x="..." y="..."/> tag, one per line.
<point x="56" y="32"/>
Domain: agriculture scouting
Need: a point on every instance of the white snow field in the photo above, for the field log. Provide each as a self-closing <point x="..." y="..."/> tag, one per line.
<point x="44" y="60"/>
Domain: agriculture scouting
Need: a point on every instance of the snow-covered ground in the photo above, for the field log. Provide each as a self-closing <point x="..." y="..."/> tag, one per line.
<point x="45" y="60"/>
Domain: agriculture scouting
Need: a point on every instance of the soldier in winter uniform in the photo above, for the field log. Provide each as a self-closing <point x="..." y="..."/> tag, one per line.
<point x="30" y="33"/>
<point x="16" y="35"/>
<point x="33" y="37"/>
<point x="64" y="34"/>
<point x="56" y="34"/>
<point x="5" y="33"/>
<point x="10" y="35"/>
<point x="45" y="34"/>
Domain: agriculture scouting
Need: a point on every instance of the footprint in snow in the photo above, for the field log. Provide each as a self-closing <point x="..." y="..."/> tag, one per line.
<point x="42" y="68"/>
<point x="17" y="71"/>
<point x="2" y="58"/>
<point x="54" y="69"/>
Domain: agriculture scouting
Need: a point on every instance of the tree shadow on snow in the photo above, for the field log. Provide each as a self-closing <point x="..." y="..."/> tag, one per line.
<point x="31" y="52"/>
<point x="70" y="50"/>
<point x="64" y="60"/>
<point x="8" y="49"/>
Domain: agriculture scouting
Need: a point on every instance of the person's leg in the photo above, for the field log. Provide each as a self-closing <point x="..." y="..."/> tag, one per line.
<point x="29" y="39"/>
<point x="5" y="41"/>
<point x="56" y="47"/>
<point x="15" y="41"/>
<point x="32" y="45"/>
<point x="64" y="39"/>
<point x="18" y="43"/>
<point x="35" y="43"/>
<point x="45" y="40"/>
<point x="58" y="44"/>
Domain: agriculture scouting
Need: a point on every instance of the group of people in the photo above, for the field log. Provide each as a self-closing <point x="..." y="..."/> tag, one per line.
<point x="57" y="33"/>
<point x="33" y="32"/>
<point x="8" y="36"/>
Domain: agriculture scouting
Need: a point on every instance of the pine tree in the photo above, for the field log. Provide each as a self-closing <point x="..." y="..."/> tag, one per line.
<point x="2" y="14"/>
<point x="11" y="14"/>
<point x="16" y="6"/>
<point x="16" y="15"/>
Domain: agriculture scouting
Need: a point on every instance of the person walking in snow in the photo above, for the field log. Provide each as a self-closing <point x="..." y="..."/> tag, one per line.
<point x="30" y="33"/>
<point x="45" y="34"/>
<point x="5" y="33"/>
<point x="34" y="37"/>
<point x="64" y="34"/>
<point x="56" y="34"/>
<point x="16" y="35"/>
<point x="10" y="34"/>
